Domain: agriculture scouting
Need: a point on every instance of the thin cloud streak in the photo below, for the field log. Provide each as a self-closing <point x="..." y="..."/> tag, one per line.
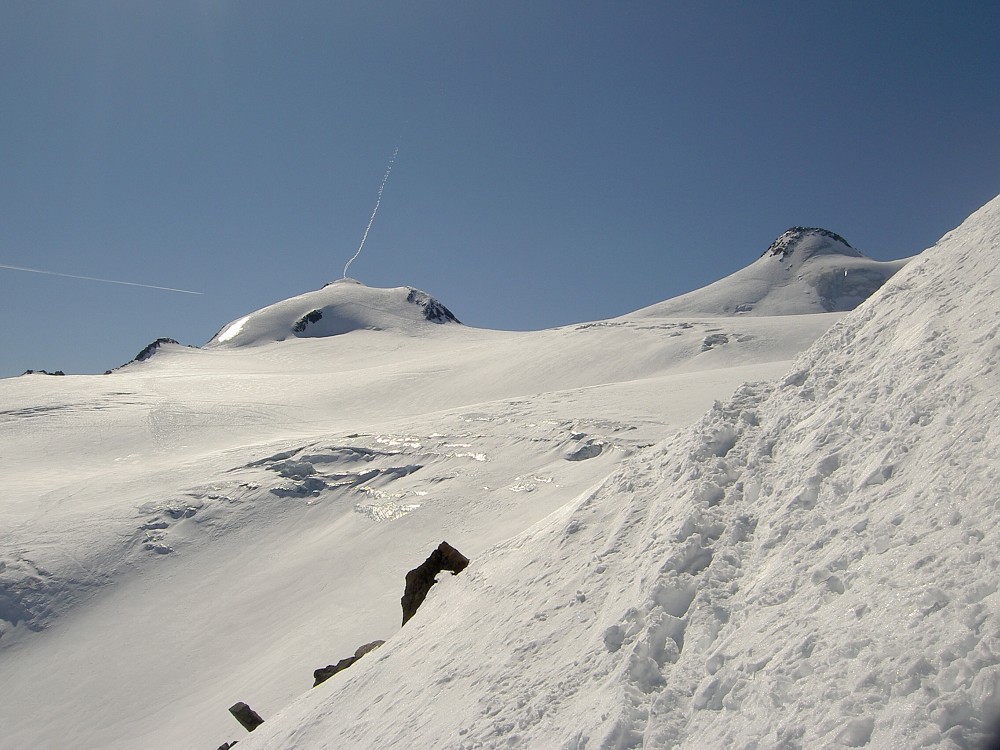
<point x="92" y="278"/>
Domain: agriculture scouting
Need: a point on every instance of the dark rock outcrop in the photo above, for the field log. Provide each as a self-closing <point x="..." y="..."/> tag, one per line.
<point x="790" y="238"/>
<point x="325" y="673"/>
<point x="420" y="579"/>
<point x="434" y="311"/>
<point x="311" y="317"/>
<point x="148" y="351"/>
<point x="246" y="716"/>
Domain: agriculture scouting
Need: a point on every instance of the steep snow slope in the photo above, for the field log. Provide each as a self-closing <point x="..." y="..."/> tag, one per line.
<point x="813" y="564"/>
<point x="805" y="270"/>
<point x="211" y="525"/>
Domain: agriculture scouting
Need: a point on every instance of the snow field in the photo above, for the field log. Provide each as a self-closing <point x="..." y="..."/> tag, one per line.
<point x="210" y="525"/>
<point x="813" y="564"/>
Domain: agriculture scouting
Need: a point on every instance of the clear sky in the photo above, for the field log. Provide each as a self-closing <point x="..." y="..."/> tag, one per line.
<point x="558" y="161"/>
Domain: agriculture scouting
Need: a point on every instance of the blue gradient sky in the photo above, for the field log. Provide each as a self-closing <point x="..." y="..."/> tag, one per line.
<point x="558" y="161"/>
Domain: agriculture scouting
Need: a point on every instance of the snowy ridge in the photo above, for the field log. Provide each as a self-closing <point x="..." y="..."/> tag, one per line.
<point x="805" y="270"/>
<point x="812" y="565"/>
<point x="339" y="307"/>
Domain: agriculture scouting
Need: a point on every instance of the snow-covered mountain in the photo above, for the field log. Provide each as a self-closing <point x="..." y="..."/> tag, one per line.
<point x="805" y="270"/>
<point x="813" y="564"/>
<point x="339" y="307"/>
<point x="209" y="525"/>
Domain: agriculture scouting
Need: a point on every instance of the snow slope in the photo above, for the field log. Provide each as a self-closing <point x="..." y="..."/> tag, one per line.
<point x="210" y="525"/>
<point x="813" y="564"/>
<point x="339" y="307"/>
<point x="805" y="270"/>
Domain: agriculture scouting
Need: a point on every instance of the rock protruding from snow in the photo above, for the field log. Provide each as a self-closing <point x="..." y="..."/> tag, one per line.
<point x="323" y="674"/>
<point x="805" y="270"/>
<point x="246" y="716"/>
<point x="434" y="311"/>
<point x="809" y="241"/>
<point x="150" y="349"/>
<point x="420" y="579"/>
<point x="339" y="307"/>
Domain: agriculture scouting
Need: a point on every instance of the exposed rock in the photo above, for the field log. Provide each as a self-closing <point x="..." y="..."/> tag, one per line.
<point x="590" y="449"/>
<point x="713" y="340"/>
<point x="790" y="238"/>
<point x="227" y="745"/>
<point x="43" y="372"/>
<point x="420" y="579"/>
<point x="149" y="350"/>
<point x="246" y="716"/>
<point x="325" y="673"/>
<point x="434" y="311"/>
<point x="311" y="317"/>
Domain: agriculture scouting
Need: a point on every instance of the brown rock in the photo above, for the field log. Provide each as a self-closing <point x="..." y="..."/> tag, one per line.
<point x="325" y="673"/>
<point x="420" y="579"/>
<point x="246" y="716"/>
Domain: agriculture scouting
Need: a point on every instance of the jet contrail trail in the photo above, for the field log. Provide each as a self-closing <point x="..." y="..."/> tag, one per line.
<point x="385" y="178"/>
<point x="92" y="278"/>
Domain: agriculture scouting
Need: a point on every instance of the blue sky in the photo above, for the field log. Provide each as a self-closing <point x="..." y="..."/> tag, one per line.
<point x="558" y="161"/>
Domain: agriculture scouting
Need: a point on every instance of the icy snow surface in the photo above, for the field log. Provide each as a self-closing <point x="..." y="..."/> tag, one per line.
<point x="811" y="563"/>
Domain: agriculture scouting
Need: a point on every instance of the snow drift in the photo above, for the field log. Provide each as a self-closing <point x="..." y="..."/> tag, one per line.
<point x="814" y="564"/>
<point x="805" y="270"/>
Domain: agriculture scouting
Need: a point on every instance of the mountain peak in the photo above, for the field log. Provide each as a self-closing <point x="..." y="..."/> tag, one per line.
<point x="805" y="270"/>
<point x="809" y="241"/>
<point x="340" y="307"/>
<point x="345" y="280"/>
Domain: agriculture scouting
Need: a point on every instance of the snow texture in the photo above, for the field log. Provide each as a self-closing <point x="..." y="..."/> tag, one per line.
<point x="811" y="563"/>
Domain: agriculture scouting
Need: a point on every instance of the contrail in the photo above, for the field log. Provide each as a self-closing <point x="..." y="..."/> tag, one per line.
<point x="385" y="178"/>
<point x="92" y="278"/>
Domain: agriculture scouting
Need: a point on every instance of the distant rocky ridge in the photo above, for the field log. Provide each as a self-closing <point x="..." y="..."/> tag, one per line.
<point x="148" y="351"/>
<point x="434" y="311"/>
<point x="788" y="240"/>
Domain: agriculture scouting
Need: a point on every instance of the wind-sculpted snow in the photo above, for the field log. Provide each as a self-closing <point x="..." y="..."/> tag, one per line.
<point x="813" y="564"/>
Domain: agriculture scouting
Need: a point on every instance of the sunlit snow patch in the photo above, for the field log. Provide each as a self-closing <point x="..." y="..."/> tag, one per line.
<point x="233" y="329"/>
